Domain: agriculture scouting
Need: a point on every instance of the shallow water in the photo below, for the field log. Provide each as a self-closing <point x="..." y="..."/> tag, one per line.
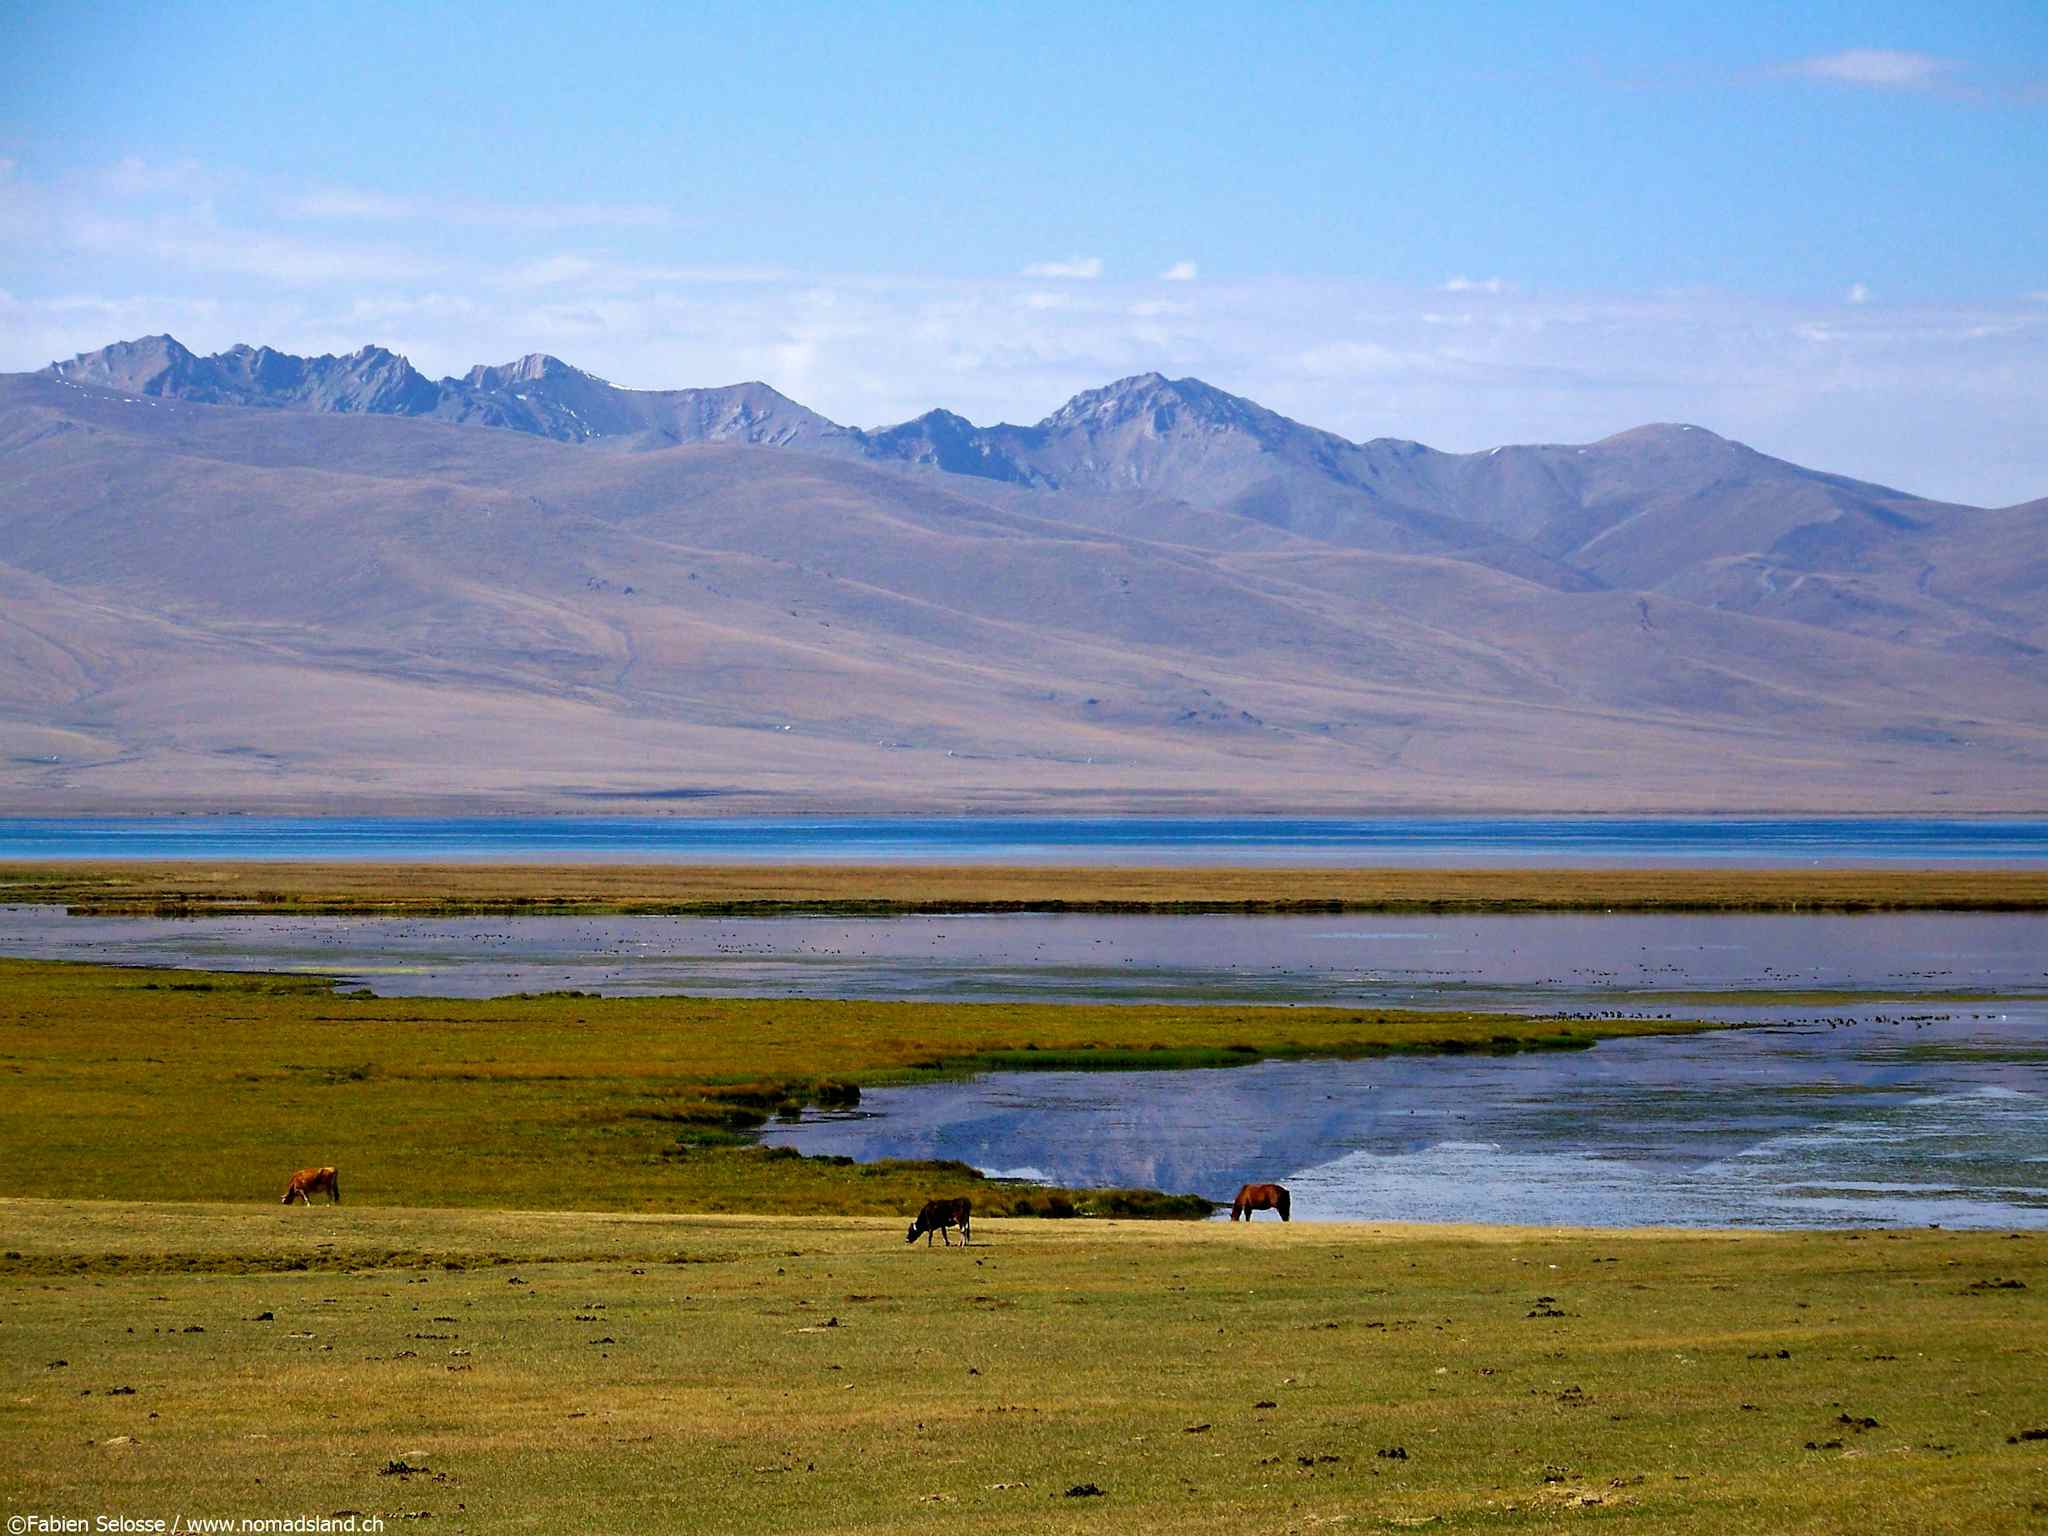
<point x="1128" y="840"/>
<point x="1942" y="1120"/>
<point x="1911" y="1110"/>
<point x="1511" y="962"/>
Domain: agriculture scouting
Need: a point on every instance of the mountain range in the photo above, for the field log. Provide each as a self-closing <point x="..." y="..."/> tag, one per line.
<point x="265" y="581"/>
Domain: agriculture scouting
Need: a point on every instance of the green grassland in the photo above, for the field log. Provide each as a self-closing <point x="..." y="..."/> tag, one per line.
<point x="555" y="1372"/>
<point x="192" y="887"/>
<point x="189" y="1085"/>
<point x="510" y="1326"/>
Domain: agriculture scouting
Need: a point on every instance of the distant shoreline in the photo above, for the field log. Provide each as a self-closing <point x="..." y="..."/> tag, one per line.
<point x="214" y="887"/>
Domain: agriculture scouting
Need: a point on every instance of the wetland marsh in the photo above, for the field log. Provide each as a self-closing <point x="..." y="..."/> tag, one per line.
<point x="1893" y="1067"/>
<point x="511" y="1323"/>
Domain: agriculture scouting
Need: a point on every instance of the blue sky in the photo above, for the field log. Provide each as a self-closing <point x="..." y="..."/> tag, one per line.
<point x="1826" y="234"/>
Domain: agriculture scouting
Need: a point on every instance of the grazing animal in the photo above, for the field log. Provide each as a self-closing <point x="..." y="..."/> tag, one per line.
<point x="938" y="1215"/>
<point x="308" y="1182"/>
<point x="1260" y="1197"/>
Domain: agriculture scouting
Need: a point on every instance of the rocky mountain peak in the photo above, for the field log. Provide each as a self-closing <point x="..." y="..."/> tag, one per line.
<point x="1677" y="433"/>
<point x="534" y="368"/>
<point x="1162" y="407"/>
<point x="131" y="365"/>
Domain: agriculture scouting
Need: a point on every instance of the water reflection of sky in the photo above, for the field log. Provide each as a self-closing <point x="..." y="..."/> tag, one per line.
<point x="1866" y="1124"/>
<point x="1522" y="961"/>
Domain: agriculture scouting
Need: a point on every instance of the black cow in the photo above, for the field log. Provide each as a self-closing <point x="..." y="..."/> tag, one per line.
<point x="938" y="1215"/>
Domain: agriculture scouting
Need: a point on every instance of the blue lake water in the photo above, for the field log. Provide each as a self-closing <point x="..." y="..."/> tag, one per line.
<point x="1582" y="840"/>
<point x="1864" y="1120"/>
<point x="1518" y="961"/>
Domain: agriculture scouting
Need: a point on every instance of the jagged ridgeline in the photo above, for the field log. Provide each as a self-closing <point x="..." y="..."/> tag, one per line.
<point x="258" y="574"/>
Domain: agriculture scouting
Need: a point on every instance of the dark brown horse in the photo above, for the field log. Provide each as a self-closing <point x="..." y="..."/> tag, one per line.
<point x="938" y="1215"/>
<point x="308" y="1182"/>
<point x="1260" y="1197"/>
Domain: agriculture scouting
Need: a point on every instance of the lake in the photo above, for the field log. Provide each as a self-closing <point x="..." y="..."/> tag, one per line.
<point x="1385" y="841"/>
<point x="1859" y="1122"/>
<point x="1519" y="961"/>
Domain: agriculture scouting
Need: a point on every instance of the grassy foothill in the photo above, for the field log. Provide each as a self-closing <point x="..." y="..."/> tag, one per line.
<point x="197" y="887"/>
<point x="191" y="1085"/>
<point x="549" y="1372"/>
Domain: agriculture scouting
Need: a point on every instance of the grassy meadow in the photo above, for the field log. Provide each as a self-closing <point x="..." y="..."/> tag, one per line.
<point x="199" y="887"/>
<point x="530" y="1314"/>
<point x="550" y="1372"/>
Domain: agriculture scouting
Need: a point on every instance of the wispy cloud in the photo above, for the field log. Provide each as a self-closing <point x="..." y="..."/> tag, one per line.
<point x="133" y="176"/>
<point x="548" y="272"/>
<point x="368" y="206"/>
<point x="1180" y="272"/>
<point x="602" y="272"/>
<point x="1463" y="284"/>
<point x="1859" y="293"/>
<point x="199" y="244"/>
<point x="1886" y="69"/>
<point x="1085" y="267"/>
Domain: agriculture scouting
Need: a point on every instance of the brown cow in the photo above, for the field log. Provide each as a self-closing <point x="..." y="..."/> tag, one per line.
<point x="308" y="1182"/>
<point x="938" y="1215"/>
<point x="1260" y="1197"/>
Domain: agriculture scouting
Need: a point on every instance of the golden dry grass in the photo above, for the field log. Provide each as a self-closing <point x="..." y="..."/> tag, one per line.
<point x="554" y="1372"/>
<point x="203" y="886"/>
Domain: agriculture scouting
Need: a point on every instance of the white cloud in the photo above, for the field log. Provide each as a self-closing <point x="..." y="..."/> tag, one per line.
<point x="199" y="244"/>
<point x="1085" y="267"/>
<point x="359" y="204"/>
<point x="348" y="203"/>
<point x="1859" y="293"/>
<point x="547" y="272"/>
<point x="597" y="271"/>
<point x="1180" y="272"/>
<point x="134" y="177"/>
<point x="1463" y="284"/>
<point x="1878" y="68"/>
